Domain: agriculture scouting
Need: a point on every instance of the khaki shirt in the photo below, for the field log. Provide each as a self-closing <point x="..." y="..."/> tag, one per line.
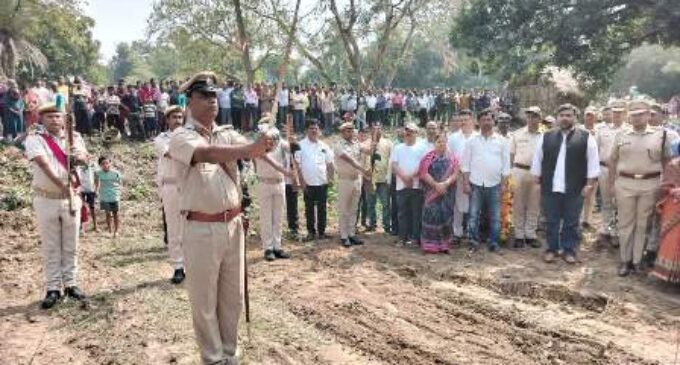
<point x="278" y="155"/>
<point x="605" y="141"/>
<point x="523" y="145"/>
<point x="204" y="187"/>
<point x="166" y="168"/>
<point x="37" y="146"/>
<point x="343" y="168"/>
<point x="381" y="170"/>
<point x="638" y="153"/>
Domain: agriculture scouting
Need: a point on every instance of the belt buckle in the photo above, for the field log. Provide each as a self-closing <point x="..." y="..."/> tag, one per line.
<point x="638" y="176"/>
<point x="225" y="216"/>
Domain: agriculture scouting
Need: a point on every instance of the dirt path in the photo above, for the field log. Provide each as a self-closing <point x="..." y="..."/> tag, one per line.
<point x="375" y="304"/>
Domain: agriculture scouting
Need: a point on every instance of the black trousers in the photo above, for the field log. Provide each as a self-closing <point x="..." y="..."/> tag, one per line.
<point x="83" y="125"/>
<point x="394" y="208"/>
<point x="237" y="118"/>
<point x="315" y="208"/>
<point x="292" y="208"/>
<point x="410" y="205"/>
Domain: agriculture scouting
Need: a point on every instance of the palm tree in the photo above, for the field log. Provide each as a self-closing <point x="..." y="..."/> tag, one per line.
<point x="16" y="17"/>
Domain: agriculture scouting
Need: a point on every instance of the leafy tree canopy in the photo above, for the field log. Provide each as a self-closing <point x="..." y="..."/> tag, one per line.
<point x="588" y="37"/>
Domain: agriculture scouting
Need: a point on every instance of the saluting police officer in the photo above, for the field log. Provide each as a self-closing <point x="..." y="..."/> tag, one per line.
<point x="166" y="180"/>
<point x="635" y="173"/>
<point x="349" y="169"/>
<point x="205" y="158"/>
<point x="271" y="170"/>
<point x="616" y="111"/>
<point x="527" y="197"/>
<point x="58" y="220"/>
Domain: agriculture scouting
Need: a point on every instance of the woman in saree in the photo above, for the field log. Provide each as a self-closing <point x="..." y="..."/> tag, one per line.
<point x="438" y="171"/>
<point x="667" y="266"/>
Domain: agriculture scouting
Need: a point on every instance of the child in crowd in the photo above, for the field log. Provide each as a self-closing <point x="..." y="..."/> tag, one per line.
<point x="107" y="182"/>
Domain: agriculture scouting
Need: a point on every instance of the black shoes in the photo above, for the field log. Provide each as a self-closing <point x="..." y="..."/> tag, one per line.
<point x="53" y="296"/>
<point x="533" y="243"/>
<point x="51" y="299"/>
<point x="281" y="254"/>
<point x="624" y="269"/>
<point x="355" y="241"/>
<point x="351" y="241"/>
<point x="271" y="255"/>
<point x="75" y="293"/>
<point x="324" y="236"/>
<point x="310" y="237"/>
<point x="178" y="276"/>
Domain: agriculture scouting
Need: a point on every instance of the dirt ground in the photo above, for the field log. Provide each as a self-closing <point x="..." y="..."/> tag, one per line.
<point x="374" y="304"/>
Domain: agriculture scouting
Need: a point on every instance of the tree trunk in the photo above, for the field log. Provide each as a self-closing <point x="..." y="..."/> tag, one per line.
<point x="402" y="51"/>
<point x="283" y="67"/>
<point x="244" y="42"/>
<point x="349" y="42"/>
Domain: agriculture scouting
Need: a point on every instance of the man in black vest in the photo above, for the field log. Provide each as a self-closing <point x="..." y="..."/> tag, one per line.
<point x="566" y="165"/>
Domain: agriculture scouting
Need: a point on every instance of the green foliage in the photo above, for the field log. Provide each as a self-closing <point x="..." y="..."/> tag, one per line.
<point x="654" y="70"/>
<point x="64" y="35"/>
<point x="13" y="199"/>
<point x="46" y="38"/>
<point x="589" y="37"/>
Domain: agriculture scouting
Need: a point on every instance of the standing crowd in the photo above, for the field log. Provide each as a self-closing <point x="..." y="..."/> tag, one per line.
<point x="451" y="175"/>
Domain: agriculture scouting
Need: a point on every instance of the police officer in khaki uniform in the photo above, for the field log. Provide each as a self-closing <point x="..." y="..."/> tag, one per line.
<point x="271" y="170"/>
<point x="605" y="143"/>
<point x="349" y="168"/>
<point x="635" y="172"/>
<point x="58" y="220"/>
<point x="205" y="158"/>
<point x="589" y="124"/>
<point x="166" y="180"/>
<point x="527" y="198"/>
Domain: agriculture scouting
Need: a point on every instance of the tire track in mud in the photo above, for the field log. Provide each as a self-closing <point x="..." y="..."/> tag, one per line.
<point x="407" y="323"/>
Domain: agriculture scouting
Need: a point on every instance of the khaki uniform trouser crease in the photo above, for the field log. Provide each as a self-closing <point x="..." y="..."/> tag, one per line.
<point x="213" y="257"/>
<point x="59" y="237"/>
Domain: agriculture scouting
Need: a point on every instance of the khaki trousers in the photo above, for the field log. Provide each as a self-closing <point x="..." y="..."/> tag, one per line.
<point x="460" y="209"/>
<point x="608" y="207"/>
<point x="526" y="204"/>
<point x="349" y="193"/>
<point x="213" y="255"/>
<point x="59" y="237"/>
<point x="271" y="198"/>
<point x="635" y="201"/>
<point x="170" y="196"/>
<point x="588" y="207"/>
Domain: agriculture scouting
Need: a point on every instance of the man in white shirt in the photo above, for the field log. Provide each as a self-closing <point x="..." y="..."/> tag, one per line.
<point x="457" y="142"/>
<point x="566" y="165"/>
<point x="405" y="161"/>
<point x="283" y="100"/>
<point x="224" y="101"/>
<point x="315" y="160"/>
<point x="371" y="101"/>
<point x="485" y="167"/>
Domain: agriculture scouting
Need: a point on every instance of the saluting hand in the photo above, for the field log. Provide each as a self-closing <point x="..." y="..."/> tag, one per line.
<point x="261" y="146"/>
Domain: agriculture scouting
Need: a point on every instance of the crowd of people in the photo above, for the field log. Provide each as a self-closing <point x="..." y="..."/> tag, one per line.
<point x="137" y="109"/>
<point x="444" y="173"/>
